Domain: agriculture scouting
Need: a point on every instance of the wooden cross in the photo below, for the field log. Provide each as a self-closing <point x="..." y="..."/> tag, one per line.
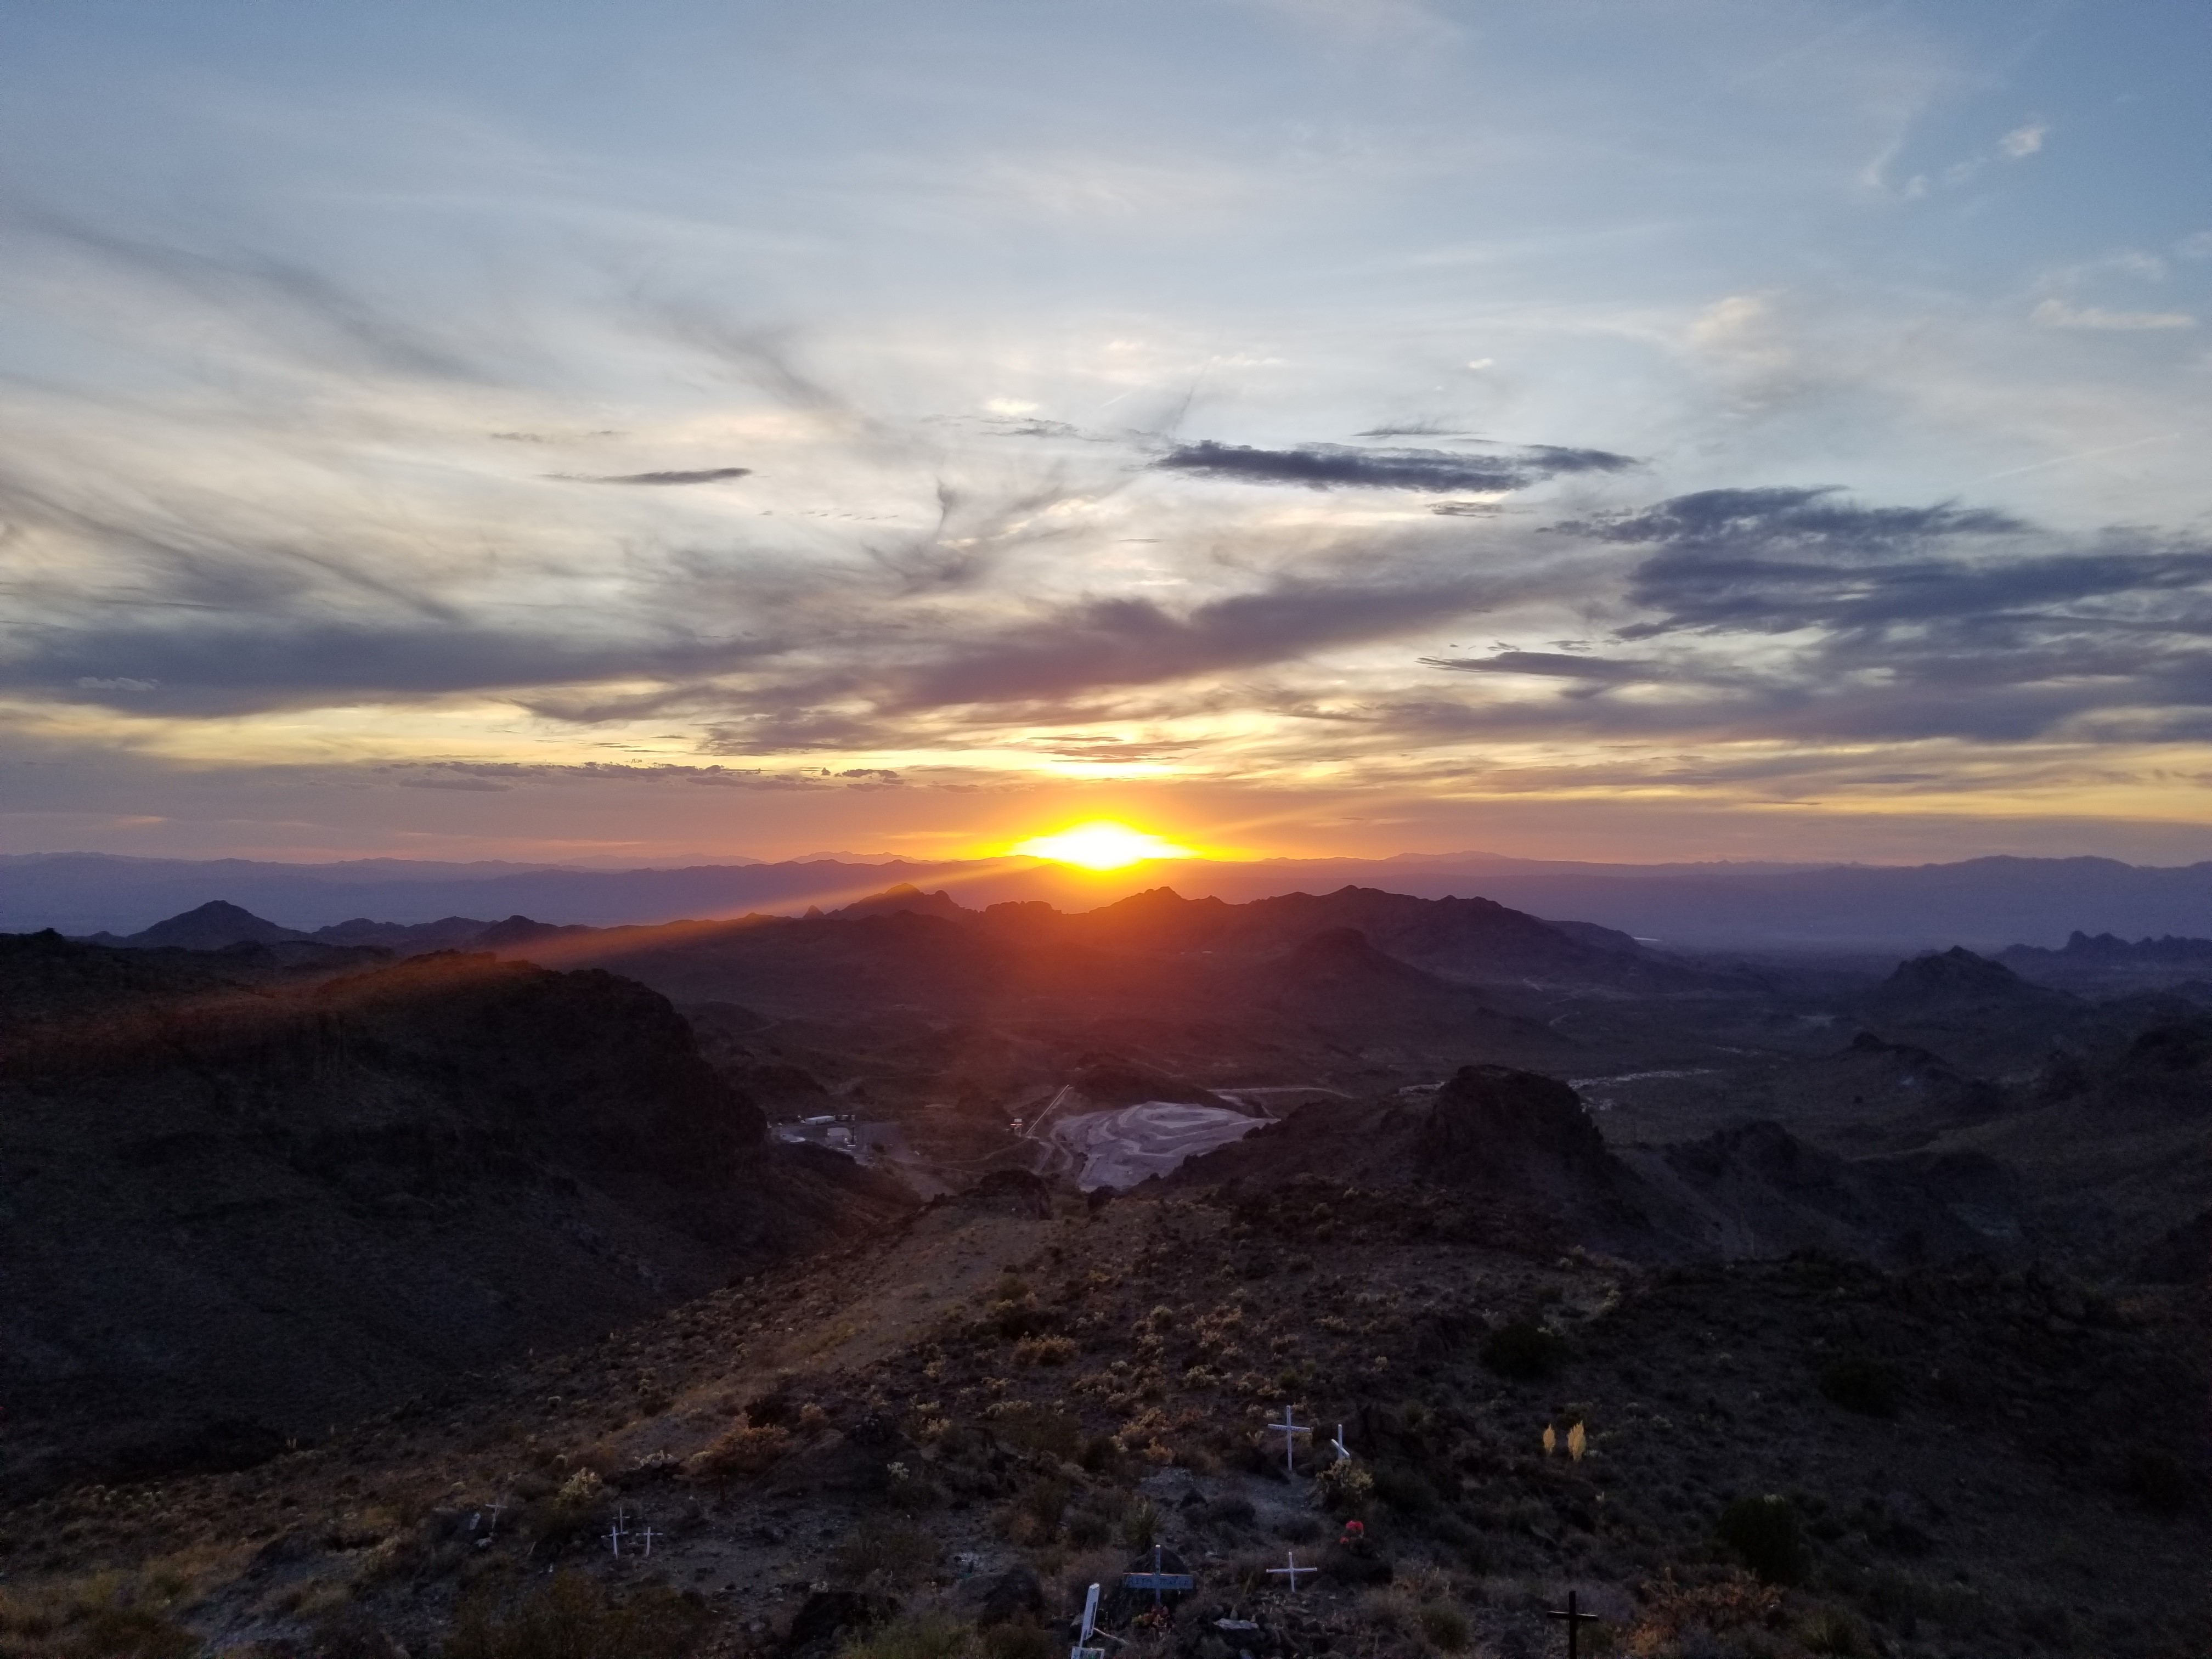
<point x="1293" y="1570"/>
<point x="1159" y="1580"/>
<point x="1290" y="1429"/>
<point x="1576" y="1618"/>
<point x="648" y="1534"/>
<point x="615" y="1534"/>
<point x="1342" y="1450"/>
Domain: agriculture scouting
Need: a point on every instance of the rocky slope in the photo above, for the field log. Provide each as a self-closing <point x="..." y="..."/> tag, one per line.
<point x="237" y="1205"/>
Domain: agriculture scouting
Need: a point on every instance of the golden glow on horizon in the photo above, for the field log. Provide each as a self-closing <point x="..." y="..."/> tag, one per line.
<point x="1101" y="844"/>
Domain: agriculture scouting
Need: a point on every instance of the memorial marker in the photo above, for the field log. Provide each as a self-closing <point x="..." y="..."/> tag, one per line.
<point x="1576" y="1620"/>
<point x="1082" y="1650"/>
<point x="1293" y="1570"/>
<point x="1159" y="1581"/>
<point x="1290" y="1429"/>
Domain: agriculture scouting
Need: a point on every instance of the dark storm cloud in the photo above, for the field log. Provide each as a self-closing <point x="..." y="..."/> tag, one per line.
<point x="1332" y="467"/>
<point x="1799" y="615"/>
<point x="1780" y="561"/>
<point x="1550" y="664"/>
<point x="502" y="775"/>
<point x="1128" y="642"/>
<point x="709" y="475"/>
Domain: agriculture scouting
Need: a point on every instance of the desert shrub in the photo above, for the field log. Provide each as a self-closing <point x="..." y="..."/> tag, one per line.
<point x="1344" y="1487"/>
<point x="1672" y="1612"/>
<point x="1523" y="1351"/>
<point x="132" y="1633"/>
<point x="932" y="1636"/>
<point x="575" y="1509"/>
<point x="886" y="1550"/>
<point x="1389" y="1612"/>
<point x="748" y="1449"/>
<point x="1404" y="1489"/>
<point x="1087" y="1530"/>
<point x="1044" y="1351"/>
<point x="1767" y="1533"/>
<point x="350" y="1633"/>
<point x="1100" y="1455"/>
<point x="1445" y="1626"/>
<point x="1018" y="1638"/>
<point x="2157" y="1480"/>
<point x="1140" y="1524"/>
<point x="573" y="1618"/>
<point x="1861" y="1384"/>
<point x="1831" y="1631"/>
<point x="1034" y="1517"/>
<point x="769" y="1408"/>
<point x="1014" y="1311"/>
<point x="1035" y="1428"/>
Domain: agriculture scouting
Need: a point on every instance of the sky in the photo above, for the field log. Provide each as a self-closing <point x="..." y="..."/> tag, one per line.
<point x="649" y="433"/>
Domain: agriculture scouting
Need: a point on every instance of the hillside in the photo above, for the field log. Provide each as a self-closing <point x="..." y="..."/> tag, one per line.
<point x="240" y="1205"/>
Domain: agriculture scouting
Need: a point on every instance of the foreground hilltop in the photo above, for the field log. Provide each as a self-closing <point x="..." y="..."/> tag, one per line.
<point x="934" y="1442"/>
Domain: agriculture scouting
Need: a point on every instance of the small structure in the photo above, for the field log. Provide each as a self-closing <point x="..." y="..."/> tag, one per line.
<point x="1342" y="1450"/>
<point x="1290" y="1428"/>
<point x="1293" y="1570"/>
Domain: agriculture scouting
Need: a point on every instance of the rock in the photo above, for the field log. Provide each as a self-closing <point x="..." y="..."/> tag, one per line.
<point x="1488" y="1115"/>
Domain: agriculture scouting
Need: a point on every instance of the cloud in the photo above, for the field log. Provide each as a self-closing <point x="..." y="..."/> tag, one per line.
<point x="1890" y="622"/>
<point x="709" y="475"/>
<point x="2057" y="313"/>
<point x="1550" y="664"/>
<point x="1329" y="466"/>
<point x="2023" y="142"/>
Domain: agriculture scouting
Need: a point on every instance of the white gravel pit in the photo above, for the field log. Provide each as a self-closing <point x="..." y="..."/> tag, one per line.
<point x="1122" y="1147"/>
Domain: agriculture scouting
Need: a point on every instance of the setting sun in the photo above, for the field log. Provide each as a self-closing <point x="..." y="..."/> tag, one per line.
<point x="1101" y="846"/>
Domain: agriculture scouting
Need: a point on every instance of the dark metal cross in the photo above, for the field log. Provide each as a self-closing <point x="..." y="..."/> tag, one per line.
<point x="1576" y="1618"/>
<point x="1159" y="1580"/>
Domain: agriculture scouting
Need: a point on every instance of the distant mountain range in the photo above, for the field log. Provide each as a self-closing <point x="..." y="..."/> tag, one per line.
<point x="1986" y="904"/>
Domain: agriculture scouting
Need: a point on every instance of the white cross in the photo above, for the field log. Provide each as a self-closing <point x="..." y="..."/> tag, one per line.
<point x="648" y="1534"/>
<point x="1293" y="1570"/>
<point x="1089" y="1623"/>
<point x="1342" y="1450"/>
<point x="1290" y="1429"/>
<point x="616" y="1534"/>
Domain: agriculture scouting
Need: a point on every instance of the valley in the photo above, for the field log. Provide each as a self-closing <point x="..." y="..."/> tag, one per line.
<point x="925" y="1263"/>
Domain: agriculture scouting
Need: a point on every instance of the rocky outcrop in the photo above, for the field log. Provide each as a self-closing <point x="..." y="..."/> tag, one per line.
<point x="1490" y="1121"/>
